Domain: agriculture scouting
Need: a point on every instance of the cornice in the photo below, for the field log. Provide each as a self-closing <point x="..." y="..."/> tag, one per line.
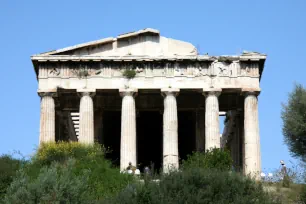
<point x="64" y="58"/>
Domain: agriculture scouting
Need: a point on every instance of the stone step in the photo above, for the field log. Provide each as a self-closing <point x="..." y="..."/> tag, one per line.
<point x="75" y="117"/>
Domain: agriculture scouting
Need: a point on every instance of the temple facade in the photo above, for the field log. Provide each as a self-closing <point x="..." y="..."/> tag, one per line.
<point x="151" y="100"/>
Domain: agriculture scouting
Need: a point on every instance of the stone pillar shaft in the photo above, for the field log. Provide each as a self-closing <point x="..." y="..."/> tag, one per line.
<point x="252" y="160"/>
<point x="47" y="118"/>
<point x="128" y="151"/>
<point x="212" y="131"/>
<point x="86" y="134"/>
<point x="170" y="131"/>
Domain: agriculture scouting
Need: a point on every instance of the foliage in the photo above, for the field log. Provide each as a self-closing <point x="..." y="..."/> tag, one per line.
<point x="196" y="186"/>
<point x="294" y="122"/>
<point x="103" y="181"/>
<point x="61" y="151"/>
<point x="54" y="184"/>
<point x="288" y="186"/>
<point x="211" y="159"/>
<point x="292" y="175"/>
<point x="129" y="73"/>
<point x="8" y="170"/>
<point x="303" y="195"/>
<point x="293" y="194"/>
<point x="303" y="190"/>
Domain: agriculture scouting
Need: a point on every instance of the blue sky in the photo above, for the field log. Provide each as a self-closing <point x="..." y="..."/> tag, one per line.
<point x="274" y="27"/>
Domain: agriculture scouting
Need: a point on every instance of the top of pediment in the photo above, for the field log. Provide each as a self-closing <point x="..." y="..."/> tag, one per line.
<point x="146" y="42"/>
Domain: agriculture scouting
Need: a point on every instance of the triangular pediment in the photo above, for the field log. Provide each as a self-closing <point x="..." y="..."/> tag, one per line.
<point x="146" y="42"/>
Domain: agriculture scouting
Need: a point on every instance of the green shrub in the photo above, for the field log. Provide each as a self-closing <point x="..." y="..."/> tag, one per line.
<point x="61" y="151"/>
<point x="303" y="194"/>
<point x="196" y="186"/>
<point x="53" y="184"/>
<point x="211" y="159"/>
<point x="104" y="179"/>
<point x="8" y="170"/>
<point x="129" y="73"/>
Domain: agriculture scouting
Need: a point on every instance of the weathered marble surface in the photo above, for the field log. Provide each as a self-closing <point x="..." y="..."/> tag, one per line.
<point x="212" y="130"/>
<point x="252" y="155"/>
<point x="159" y="62"/>
<point x="47" y="117"/>
<point x="143" y="42"/>
<point x="86" y="127"/>
<point x="170" y="131"/>
<point x="128" y="151"/>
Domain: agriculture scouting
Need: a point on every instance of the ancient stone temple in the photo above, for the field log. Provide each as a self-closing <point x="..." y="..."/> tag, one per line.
<point x="152" y="100"/>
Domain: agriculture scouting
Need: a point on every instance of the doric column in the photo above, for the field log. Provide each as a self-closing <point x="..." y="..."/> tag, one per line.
<point x="170" y="130"/>
<point x="86" y="134"/>
<point x="47" y="117"/>
<point x="128" y="149"/>
<point x="252" y="159"/>
<point x="212" y="131"/>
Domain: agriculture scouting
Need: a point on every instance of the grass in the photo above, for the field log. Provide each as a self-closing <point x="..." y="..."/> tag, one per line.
<point x="286" y="195"/>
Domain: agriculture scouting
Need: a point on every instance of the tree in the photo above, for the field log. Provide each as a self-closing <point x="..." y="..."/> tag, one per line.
<point x="197" y="185"/>
<point x="8" y="169"/>
<point x="294" y="122"/>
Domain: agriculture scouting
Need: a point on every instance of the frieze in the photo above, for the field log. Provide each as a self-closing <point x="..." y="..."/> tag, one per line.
<point x="54" y="72"/>
<point x="249" y="69"/>
<point x="215" y="68"/>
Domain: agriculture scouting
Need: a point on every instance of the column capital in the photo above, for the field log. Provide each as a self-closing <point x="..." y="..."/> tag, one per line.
<point x="86" y="92"/>
<point x="128" y="92"/>
<point x="47" y="92"/>
<point x="170" y="92"/>
<point x="212" y="91"/>
<point x="250" y="91"/>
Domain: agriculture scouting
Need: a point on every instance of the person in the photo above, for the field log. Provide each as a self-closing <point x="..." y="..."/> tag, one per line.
<point x="284" y="173"/>
<point x="147" y="170"/>
<point x="129" y="166"/>
<point x="147" y="173"/>
<point x="131" y="169"/>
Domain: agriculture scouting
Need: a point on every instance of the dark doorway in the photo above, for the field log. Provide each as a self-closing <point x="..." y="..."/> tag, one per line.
<point x="186" y="133"/>
<point x="149" y="139"/>
<point x="111" y="135"/>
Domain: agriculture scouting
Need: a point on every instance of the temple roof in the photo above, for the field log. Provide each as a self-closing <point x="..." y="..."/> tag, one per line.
<point x="146" y="42"/>
<point x="142" y="45"/>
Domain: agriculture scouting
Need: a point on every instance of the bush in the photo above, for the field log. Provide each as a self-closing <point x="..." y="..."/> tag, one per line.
<point x="303" y="194"/>
<point x="103" y="181"/>
<point x="211" y="159"/>
<point x="54" y="184"/>
<point x="61" y="151"/>
<point x="8" y="170"/>
<point x="196" y="186"/>
<point x="129" y="73"/>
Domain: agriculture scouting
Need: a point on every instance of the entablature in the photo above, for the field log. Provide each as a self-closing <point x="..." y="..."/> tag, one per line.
<point x="233" y="66"/>
<point x="151" y="73"/>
